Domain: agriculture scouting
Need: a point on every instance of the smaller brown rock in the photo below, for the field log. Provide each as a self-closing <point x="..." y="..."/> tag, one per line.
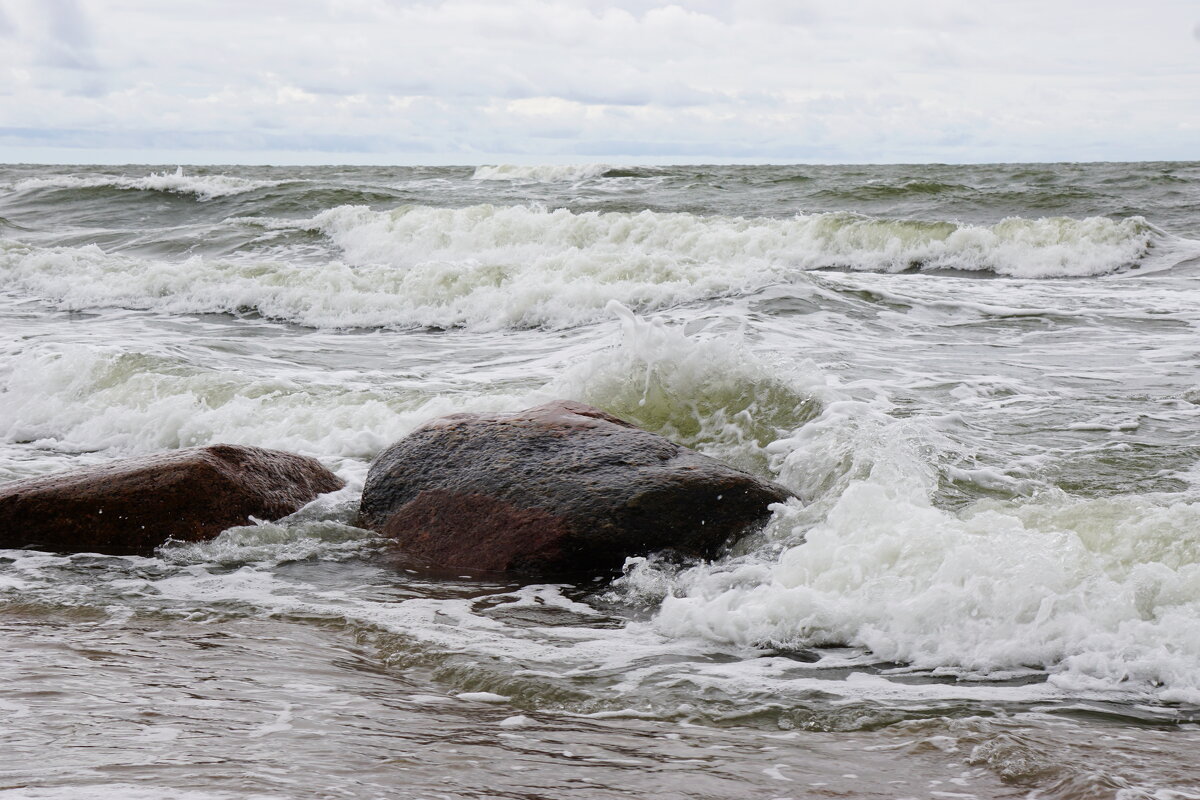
<point x="134" y="505"/>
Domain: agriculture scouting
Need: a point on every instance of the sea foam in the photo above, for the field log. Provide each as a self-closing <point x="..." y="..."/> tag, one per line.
<point x="85" y="398"/>
<point x="709" y="393"/>
<point x="490" y="267"/>
<point x="652" y="246"/>
<point x="1102" y="593"/>
<point x="543" y="173"/>
<point x="204" y="187"/>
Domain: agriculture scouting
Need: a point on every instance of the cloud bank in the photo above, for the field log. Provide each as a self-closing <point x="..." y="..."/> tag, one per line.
<point x="467" y="81"/>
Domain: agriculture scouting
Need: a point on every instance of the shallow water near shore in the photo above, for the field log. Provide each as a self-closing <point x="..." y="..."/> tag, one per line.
<point x="981" y="381"/>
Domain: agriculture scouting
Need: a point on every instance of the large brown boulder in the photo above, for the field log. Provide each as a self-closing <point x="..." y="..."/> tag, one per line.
<point x="562" y="487"/>
<point x="134" y="505"/>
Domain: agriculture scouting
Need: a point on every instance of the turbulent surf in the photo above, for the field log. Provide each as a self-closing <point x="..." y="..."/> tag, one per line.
<point x="979" y="381"/>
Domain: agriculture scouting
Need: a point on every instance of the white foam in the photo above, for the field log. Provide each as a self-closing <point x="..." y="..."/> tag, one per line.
<point x="483" y="697"/>
<point x="518" y="721"/>
<point x="542" y="173"/>
<point x="517" y="266"/>
<point x="643" y="242"/>
<point x="1104" y="593"/>
<point x="86" y="398"/>
<point x="281" y="724"/>
<point x="491" y="267"/>
<point x="205" y="187"/>
<point x="710" y="393"/>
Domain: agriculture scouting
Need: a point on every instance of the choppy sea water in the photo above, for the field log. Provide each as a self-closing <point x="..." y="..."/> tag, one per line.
<point x="982" y="381"/>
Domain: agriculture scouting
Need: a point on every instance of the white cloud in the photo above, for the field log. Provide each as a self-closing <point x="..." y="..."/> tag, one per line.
<point x="465" y="80"/>
<point x="7" y="28"/>
<point x="68" y="35"/>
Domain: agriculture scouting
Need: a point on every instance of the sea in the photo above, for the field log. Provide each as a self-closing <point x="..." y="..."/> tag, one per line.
<point x="982" y="382"/>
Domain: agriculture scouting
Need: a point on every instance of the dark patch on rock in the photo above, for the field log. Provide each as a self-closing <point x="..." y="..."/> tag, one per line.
<point x="562" y="487"/>
<point x="132" y="506"/>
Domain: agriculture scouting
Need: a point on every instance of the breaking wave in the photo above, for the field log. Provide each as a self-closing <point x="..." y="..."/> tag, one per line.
<point x="712" y="394"/>
<point x="1100" y="593"/>
<point x="80" y="398"/>
<point x="204" y="187"/>
<point x="642" y="244"/>
<point x="544" y="173"/>
<point x="491" y="267"/>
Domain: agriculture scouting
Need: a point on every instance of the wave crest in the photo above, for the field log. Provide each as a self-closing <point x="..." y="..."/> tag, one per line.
<point x="204" y="187"/>
<point x="640" y="244"/>
<point x="492" y="267"/>
<point x="542" y="173"/>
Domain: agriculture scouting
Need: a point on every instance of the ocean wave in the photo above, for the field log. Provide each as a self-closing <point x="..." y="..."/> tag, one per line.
<point x="490" y="267"/>
<point x="542" y="173"/>
<point x="480" y="267"/>
<point x="1101" y="593"/>
<point x="204" y="187"/>
<point x="711" y="394"/>
<point x="873" y="191"/>
<point x="642" y="243"/>
<point x="81" y="398"/>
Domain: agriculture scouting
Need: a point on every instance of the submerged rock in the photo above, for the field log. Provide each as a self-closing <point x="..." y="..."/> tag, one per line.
<point x="134" y="505"/>
<point x="562" y="487"/>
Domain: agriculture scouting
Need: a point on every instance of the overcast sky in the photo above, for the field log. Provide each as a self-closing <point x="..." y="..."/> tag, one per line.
<point x="543" y="81"/>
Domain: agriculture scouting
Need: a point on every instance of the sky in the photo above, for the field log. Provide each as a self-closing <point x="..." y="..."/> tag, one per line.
<point x="560" y="81"/>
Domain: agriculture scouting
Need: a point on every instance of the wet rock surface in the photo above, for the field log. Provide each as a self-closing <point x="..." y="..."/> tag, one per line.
<point x="134" y="505"/>
<point x="562" y="487"/>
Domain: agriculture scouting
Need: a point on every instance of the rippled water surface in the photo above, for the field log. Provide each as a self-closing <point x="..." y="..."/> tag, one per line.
<point x="982" y="382"/>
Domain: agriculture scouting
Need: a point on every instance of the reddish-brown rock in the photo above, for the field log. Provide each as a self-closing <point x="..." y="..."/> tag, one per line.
<point x="562" y="487"/>
<point x="134" y="505"/>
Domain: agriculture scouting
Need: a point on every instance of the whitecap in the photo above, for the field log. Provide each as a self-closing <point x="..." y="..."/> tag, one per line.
<point x="204" y="187"/>
<point x="542" y="173"/>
